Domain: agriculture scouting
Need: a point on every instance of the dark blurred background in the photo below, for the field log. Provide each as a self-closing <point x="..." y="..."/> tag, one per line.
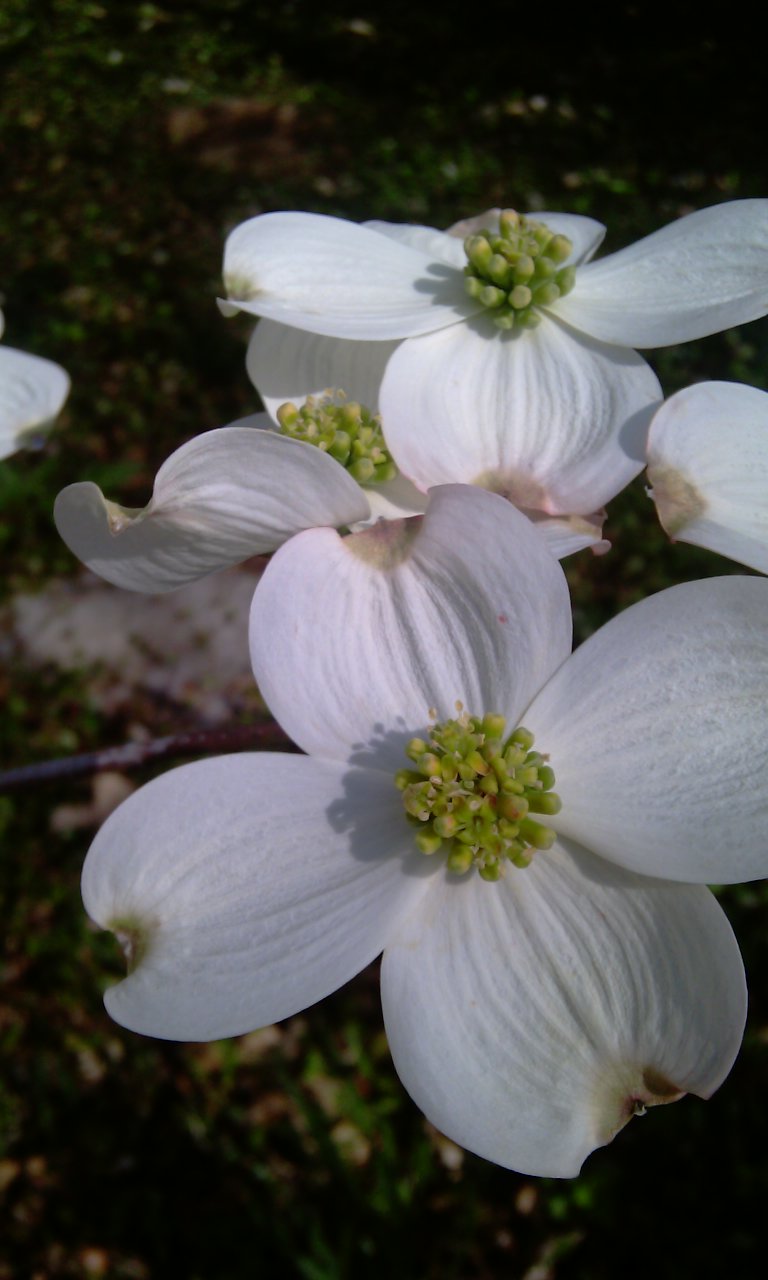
<point x="133" y="137"/>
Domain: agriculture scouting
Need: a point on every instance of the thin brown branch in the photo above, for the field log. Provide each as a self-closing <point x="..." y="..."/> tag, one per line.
<point x="131" y="755"/>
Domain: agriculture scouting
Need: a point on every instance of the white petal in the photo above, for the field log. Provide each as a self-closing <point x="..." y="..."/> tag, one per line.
<point x="32" y="392"/>
<point x="433" y="243"/>
<point x="394" y="499"/>
<point x="338" y="278"/>
<point x="532" y="1018"/>
<point x="249" y="886"/>
<point x="708" y="465"/>
<point x="656" y="728"/>
<point x="289" y="364"/>
<point x="585" y="234"/>
<point x="222" y="497"/>
<point x="354" y="640"/>
<point x="552" y="419"/>
<point x="565" y="535"/>
<point x="701" y="274"/>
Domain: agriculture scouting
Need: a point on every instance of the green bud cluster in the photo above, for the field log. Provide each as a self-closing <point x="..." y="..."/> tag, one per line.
<point x="472" y="792"/>
<point x="518" y="269"/>
<point x="348" y="431"/>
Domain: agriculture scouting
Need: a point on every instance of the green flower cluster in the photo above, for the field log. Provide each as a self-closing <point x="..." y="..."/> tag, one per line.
<point x="346" y="430"/>
<point x="518" y="269"/>
<point x="472" y="792"/>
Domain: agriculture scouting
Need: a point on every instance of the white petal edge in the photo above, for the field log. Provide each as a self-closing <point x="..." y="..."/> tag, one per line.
<point x="428" y="240"/>
<point x="337" y="278"/>
<point x="708" y="468"/>
<point x="586" y="234"/>
<point x="699" y="275"/>
<point x="287" y="364"/>
<point x="530" y="1019"/>
<point x="354" y="640"/>
<point x="565" y="535"/>
<point x="393" y="500"/>
<point x="249" y="887"/>
<point x="656" y="729"/>
<point x="224" y="496"/>
<point x="32" y="393"/>
<point x="550" y="418"/>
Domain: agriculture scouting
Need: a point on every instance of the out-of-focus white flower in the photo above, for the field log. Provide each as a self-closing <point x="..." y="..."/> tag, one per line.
<point x="529" y="1018"/>
<point x="708" y="468"/>
<point x="32" y="392"/>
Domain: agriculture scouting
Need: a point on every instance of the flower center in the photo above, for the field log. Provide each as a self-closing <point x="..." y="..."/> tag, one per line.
<point x="514" y="271"/>
<point x="347" y="430"/>
<point x="472" y="791"/>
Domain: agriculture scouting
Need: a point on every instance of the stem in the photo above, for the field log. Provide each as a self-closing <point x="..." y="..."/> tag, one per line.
<point x="131" y="755"/>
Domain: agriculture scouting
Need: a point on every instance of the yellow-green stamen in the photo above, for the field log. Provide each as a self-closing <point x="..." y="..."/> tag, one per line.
<point x="517" y="269"/>
<point x="346" y="430"/>
<point x="472" y="792"/>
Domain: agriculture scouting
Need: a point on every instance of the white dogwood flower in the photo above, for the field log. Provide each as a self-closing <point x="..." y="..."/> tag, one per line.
<point x="547" y="974"/>
<point x="242" y="491"/>
<point x="527" y="384"/>
<point x="32" y="392"/>
<point x="708" y="468"/>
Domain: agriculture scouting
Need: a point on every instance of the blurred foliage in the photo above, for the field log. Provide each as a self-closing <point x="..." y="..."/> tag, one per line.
<point x="132" y="138"/>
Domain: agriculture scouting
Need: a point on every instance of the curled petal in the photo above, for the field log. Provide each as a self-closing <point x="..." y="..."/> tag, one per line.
<point x="32" y="392"/>
<point x="290" y="364"/>
<point x="701" y="274"/>
<point x="245" y="888"/>
<point x="337" y="278"/>
<point x="222" y="497"/>
<point x="657" y="734"/>
<point x="354" y="640"/>
<point x="550" y="418"/>
<point x="532" y="1018"/>
<point x="565" y="535"/>
<point x="708" y="465"/>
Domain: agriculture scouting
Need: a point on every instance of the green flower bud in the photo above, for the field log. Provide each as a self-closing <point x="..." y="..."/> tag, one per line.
<point x="517" y="270"/>
<point x="565" y="280"/>
<point x="559" y="248"/>
<point x="520" y="297"/>
<point x="491" y="296"/>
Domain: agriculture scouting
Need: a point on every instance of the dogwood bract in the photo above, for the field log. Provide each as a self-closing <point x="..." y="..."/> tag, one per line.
<point x="551" y="408"/>
<point x="546" y="973"/>
<point x="32" y="392"/>
<point x="237" y="492"/>
<point x="708" y="468"/>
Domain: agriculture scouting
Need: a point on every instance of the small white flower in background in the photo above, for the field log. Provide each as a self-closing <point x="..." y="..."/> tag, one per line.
<point x="32" y="392"/>
<point x="547" y="973"/>
<point x="708" y="468"/>
<point x="551" y="414"/>
<point x="243" y="490"/>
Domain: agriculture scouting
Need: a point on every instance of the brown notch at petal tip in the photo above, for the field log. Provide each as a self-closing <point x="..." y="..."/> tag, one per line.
<point x="133" y="937"/>
<point x="119" y="518"/>
<point x="655" y="1091"/>
<point x="639" y="1090"/>
<point x="385" y="544"/>
<point x="660" y="1089"/>
<point x="678" y="502"/>
<point x="520" y="489"/>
